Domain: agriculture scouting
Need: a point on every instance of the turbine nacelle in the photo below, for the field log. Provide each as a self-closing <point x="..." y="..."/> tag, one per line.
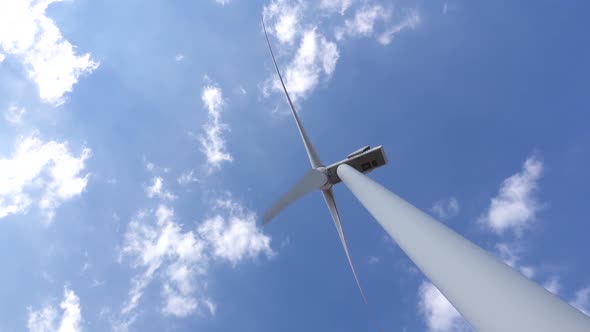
<point x="363" y="160"/>
<point x="323" y="178"/>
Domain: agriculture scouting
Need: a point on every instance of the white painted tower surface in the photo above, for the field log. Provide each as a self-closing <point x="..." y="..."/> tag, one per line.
<point x="490" y="295"/>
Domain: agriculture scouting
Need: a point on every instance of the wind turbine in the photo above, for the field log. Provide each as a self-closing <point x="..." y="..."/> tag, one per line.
<point x="323" y="178"/>
<point x="489" y="294"/>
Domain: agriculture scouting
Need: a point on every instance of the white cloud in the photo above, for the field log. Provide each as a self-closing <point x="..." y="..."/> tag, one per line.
<point x="45" y="170"/>
<point x="508" y="254"/>
<point x="187" y="177"/>
<point x="157" y="190"/>
<point x="363" y="22"/>
<point x="235" y="236"/>
<point x="212" y="143"/>
<point x="163" y="245"/>
<point x="178" y="303"/>
<point x="283" y="20"/>
<point x="2" y="57"/>
<point x="179" y="260"/>
<point x="374" y="260"/>
<point x="366" y="18"/>
<point x="51" y="61"/>
<point x="582" y="300"/>
<point x="446" y="208"/>
<point x="179" y="57"/>
<point x="14" y="114"/>
<point x="315" y="57"/>
<point x="409" y="22"/>
<point x="150" y="166"/>
<point x="223" y="2"/>
<point x="46" y="319"/>
<point x="515" y="206"/>
<point x="339" y="6"/>
<point x="527" y="271"/>
<point x="300" y="29"/>
<point x="211" y="306"/>
<point x="440" y="315"/>
<point x="553" y="285"/>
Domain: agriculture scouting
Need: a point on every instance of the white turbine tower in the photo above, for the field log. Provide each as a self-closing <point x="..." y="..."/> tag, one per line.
<point x="489" y="294"/>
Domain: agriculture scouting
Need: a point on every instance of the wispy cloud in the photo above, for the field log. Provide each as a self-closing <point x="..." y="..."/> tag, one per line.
<point x="368" y="16"/>
<point x="50" y="60"/>
<point x="157" y="190"/>
<point x="14" y="114"/>
<point x="315" y="58"/>
<point x="179" y="259"/>
<point x="235" y="236"/>
<point x="283" y="17"/>
<point x="374" y="260"/>
<point x="446" y="208"/>
<point x="510" y="254"/>
<point x="439" y="314"/>
<point x="553" y="285"/>
<point x="339" y="6"/>
<point x="411" y="21"/>
<point x="516" y="205"/>
<point x="164" y="246"/>
<point x="301" y="29"/>
<point x="213" y="142"/>
<point x="45" y="171"/>
<point x="582" y="300"/>
<point x="187" y="177"/>
<point x="363" y="22"/>
<point x="49" y="319"/>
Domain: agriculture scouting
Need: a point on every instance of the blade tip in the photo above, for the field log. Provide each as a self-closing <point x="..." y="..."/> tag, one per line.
<point x="266" y="219"/>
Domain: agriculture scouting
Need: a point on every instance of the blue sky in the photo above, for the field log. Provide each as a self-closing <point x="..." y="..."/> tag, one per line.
<point x="141" y="142"/>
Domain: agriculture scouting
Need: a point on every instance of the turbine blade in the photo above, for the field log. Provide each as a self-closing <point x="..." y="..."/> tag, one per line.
<point x="312" y="180"/>
<point x="329" y="198"/>
<point x="314" y="158"/>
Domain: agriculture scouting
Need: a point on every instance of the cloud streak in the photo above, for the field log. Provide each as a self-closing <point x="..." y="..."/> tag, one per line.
<point x="409" y="22"/>
<point x="14" y="114"/>
<point x="582" y="300"/>
<point x="213" y="143"/>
